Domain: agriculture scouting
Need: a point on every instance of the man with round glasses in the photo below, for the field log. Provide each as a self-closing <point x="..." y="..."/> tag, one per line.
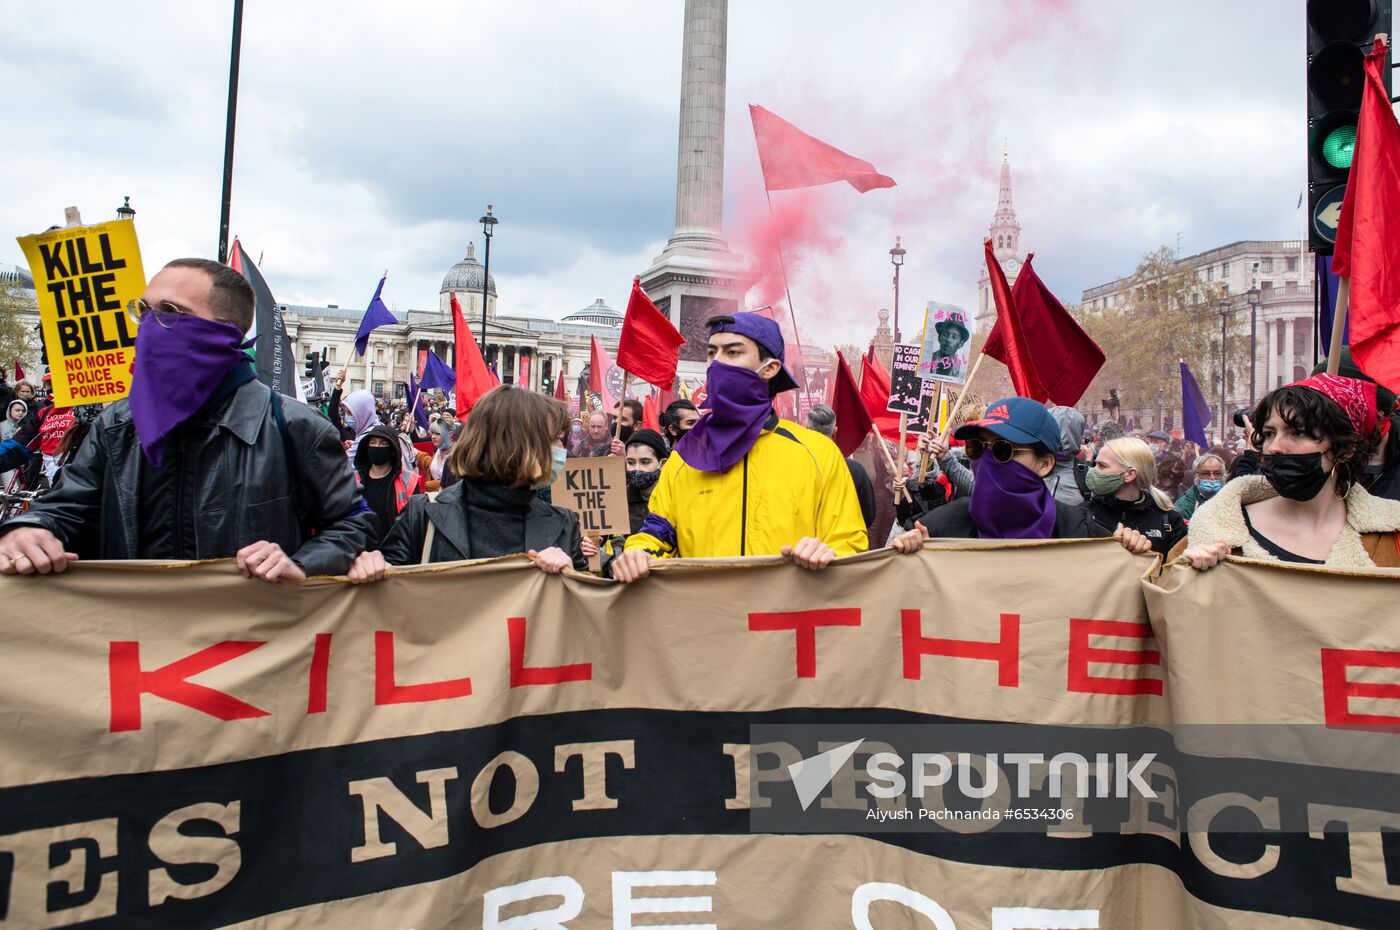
<point x="200" y="460"/>
<point x="1012" y="449"/>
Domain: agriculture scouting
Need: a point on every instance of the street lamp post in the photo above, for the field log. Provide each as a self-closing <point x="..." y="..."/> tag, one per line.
<point x="488" y="226"/>
<point x="897" y="259"/>
<point x="1161" y="409"/>
<point x="125" y="212"/>
<point x="1253" y="298"/>
<point x="1224" y="319"/>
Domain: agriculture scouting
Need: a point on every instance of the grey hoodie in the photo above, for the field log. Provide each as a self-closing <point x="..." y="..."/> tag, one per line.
<point x="1061" y="481"/>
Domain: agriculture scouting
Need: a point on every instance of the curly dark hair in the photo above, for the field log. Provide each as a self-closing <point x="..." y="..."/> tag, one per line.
<point x="1319" y="417"/>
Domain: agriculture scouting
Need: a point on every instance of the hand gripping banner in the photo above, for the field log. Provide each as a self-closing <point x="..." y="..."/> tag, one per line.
<point x="1016" y="735"/>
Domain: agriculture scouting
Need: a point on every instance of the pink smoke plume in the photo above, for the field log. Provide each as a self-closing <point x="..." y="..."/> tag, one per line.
<point x="943" y="152"/>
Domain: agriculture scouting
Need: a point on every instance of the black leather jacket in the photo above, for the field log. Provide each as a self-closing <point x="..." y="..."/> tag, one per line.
<point x="545" y="526"/>
<point x="246" y="490"/>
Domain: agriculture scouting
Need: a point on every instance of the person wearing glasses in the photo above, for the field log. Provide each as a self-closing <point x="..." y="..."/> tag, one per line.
<point x="200" y="460"/>
<point x="1012" y="450"/>
<point x="1210" y="478"/>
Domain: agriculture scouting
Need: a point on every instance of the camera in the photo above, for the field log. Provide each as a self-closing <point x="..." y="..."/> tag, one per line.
<point x="1240" y="414"/>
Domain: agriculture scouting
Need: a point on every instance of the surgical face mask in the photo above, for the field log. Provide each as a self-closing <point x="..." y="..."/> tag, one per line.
<point x="1102" y="483"/>
<point x="1209" y="487"/>
<point x="641" y="480"/>
<point x="558" y="456"/>
<point x="1297" y="476"/>
<point x="380" y="455"/>
<point x="348" y="419"/>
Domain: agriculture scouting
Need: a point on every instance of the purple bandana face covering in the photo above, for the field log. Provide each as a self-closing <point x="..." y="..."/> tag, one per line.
<point x="739" y="406"/>
<point x="1009" y="501"/>
<point x="176" y="370"/>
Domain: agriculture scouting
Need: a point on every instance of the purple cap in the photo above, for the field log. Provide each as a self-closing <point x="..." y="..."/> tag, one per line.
<point x="763" y="331"/>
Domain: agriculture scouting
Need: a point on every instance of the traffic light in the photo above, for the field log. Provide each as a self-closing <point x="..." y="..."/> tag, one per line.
<point x="1340" y="33"/>
<point x="309" y="373"/>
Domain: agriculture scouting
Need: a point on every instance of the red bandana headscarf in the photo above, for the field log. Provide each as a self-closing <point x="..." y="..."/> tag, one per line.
<point x="1357" y="398"/>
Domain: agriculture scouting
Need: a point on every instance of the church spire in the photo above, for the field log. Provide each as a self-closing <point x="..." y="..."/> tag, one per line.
<point x="1005" y="232"/>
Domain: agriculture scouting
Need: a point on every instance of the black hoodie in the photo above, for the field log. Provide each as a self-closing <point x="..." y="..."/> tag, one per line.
<point x="379" y="492"/>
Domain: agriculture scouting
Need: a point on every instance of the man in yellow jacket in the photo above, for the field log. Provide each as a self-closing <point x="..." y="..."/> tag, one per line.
<point x="743" y="481"/>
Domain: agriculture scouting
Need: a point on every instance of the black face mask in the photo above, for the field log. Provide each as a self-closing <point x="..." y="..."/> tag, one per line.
<point x="1370" y="475"/>
<point x="641" y="480"/>
<point x="380" y="455"/>
<point x="625" y="434"/>
<point x="1296" y="476"/>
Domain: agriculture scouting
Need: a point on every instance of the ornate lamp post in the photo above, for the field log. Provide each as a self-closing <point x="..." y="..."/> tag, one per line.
<point x="897" y="260"/>
<point x="1224" y="319"/>
<point x="488" y="226"/>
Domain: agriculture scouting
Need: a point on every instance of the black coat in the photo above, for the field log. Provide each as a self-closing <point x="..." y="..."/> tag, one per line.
<point x="954" y="521"/>
<point x="1163" y="528"/>
<point x="246" y="490"/>
<point x="865" y="491"/>
<point x="545" y="526"/>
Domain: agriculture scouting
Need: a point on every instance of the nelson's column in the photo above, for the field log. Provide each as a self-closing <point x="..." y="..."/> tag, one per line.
<point x="696" y="276"/>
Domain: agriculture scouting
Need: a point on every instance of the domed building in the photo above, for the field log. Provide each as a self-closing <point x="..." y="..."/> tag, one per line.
<point x="597" y="314"/>
<point x="464" y="280"/>
<point x="530" y="351"/>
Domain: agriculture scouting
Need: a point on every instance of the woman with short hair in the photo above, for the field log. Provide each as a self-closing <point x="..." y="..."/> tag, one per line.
<point x="510" y="446"/>
<point x="1315" y="439"/>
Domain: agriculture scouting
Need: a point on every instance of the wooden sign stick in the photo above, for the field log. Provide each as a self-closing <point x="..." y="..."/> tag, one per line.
<point x="889" y="461"/>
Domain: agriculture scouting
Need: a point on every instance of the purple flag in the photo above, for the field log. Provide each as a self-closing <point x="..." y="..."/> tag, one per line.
<point x="436" y="374"/>
<point x="376" y="315"/>
<point x="415" y="397"/>
<point x="1195" y="412"/>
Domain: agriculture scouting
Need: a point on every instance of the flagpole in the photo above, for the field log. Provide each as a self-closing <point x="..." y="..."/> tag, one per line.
<point x="962" y="395"/>
<point x="617" y="426"/>
<point x="1339" y="323"/>
<point x="782" y="264"/>
<point x="227" y="194"/>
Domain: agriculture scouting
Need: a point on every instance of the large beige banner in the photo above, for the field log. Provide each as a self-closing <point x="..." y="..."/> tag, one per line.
<point x="486" y="746"/>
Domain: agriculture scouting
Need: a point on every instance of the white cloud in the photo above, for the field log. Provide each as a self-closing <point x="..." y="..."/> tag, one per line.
<point x="372" y="136"/>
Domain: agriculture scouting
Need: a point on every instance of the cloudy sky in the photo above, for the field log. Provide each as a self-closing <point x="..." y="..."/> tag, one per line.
<point x="372" y="135"/>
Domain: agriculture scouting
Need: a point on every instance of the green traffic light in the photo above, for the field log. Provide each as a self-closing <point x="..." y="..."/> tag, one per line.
<point x="1339" y="146"/>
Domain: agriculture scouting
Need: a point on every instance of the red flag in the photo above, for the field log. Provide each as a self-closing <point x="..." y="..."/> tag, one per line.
<point x="1368" y="233"/>
<point x="599" y="364"/>
<point x="1062" y="354"/>
<point x="852" y="417"/>
<point x="1018" y="358"/>
<point x="649" y="347"/>
<point x="651" y="417"/>
<point x="875" y="393"/>
<point x="19" y="372"/>
<point x="473" y="377"/>
<point x="790" y="158"/>
<point x="559" y="388"/>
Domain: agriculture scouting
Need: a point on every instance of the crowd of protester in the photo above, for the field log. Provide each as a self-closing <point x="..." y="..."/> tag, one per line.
<point x="203" y="461"/>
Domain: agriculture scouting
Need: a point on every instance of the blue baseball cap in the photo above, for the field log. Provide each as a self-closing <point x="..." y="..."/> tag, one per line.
<point x="1019" y="420"/>
<point x="763" y="331"/>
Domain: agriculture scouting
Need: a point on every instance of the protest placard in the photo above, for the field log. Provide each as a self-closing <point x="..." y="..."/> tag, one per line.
<point x="905" y="385"/>
<point x="596" y="490"/>
<point x="84" y="277"/>
<point x="919" y="422"/>
<point x="944" y="346"/>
